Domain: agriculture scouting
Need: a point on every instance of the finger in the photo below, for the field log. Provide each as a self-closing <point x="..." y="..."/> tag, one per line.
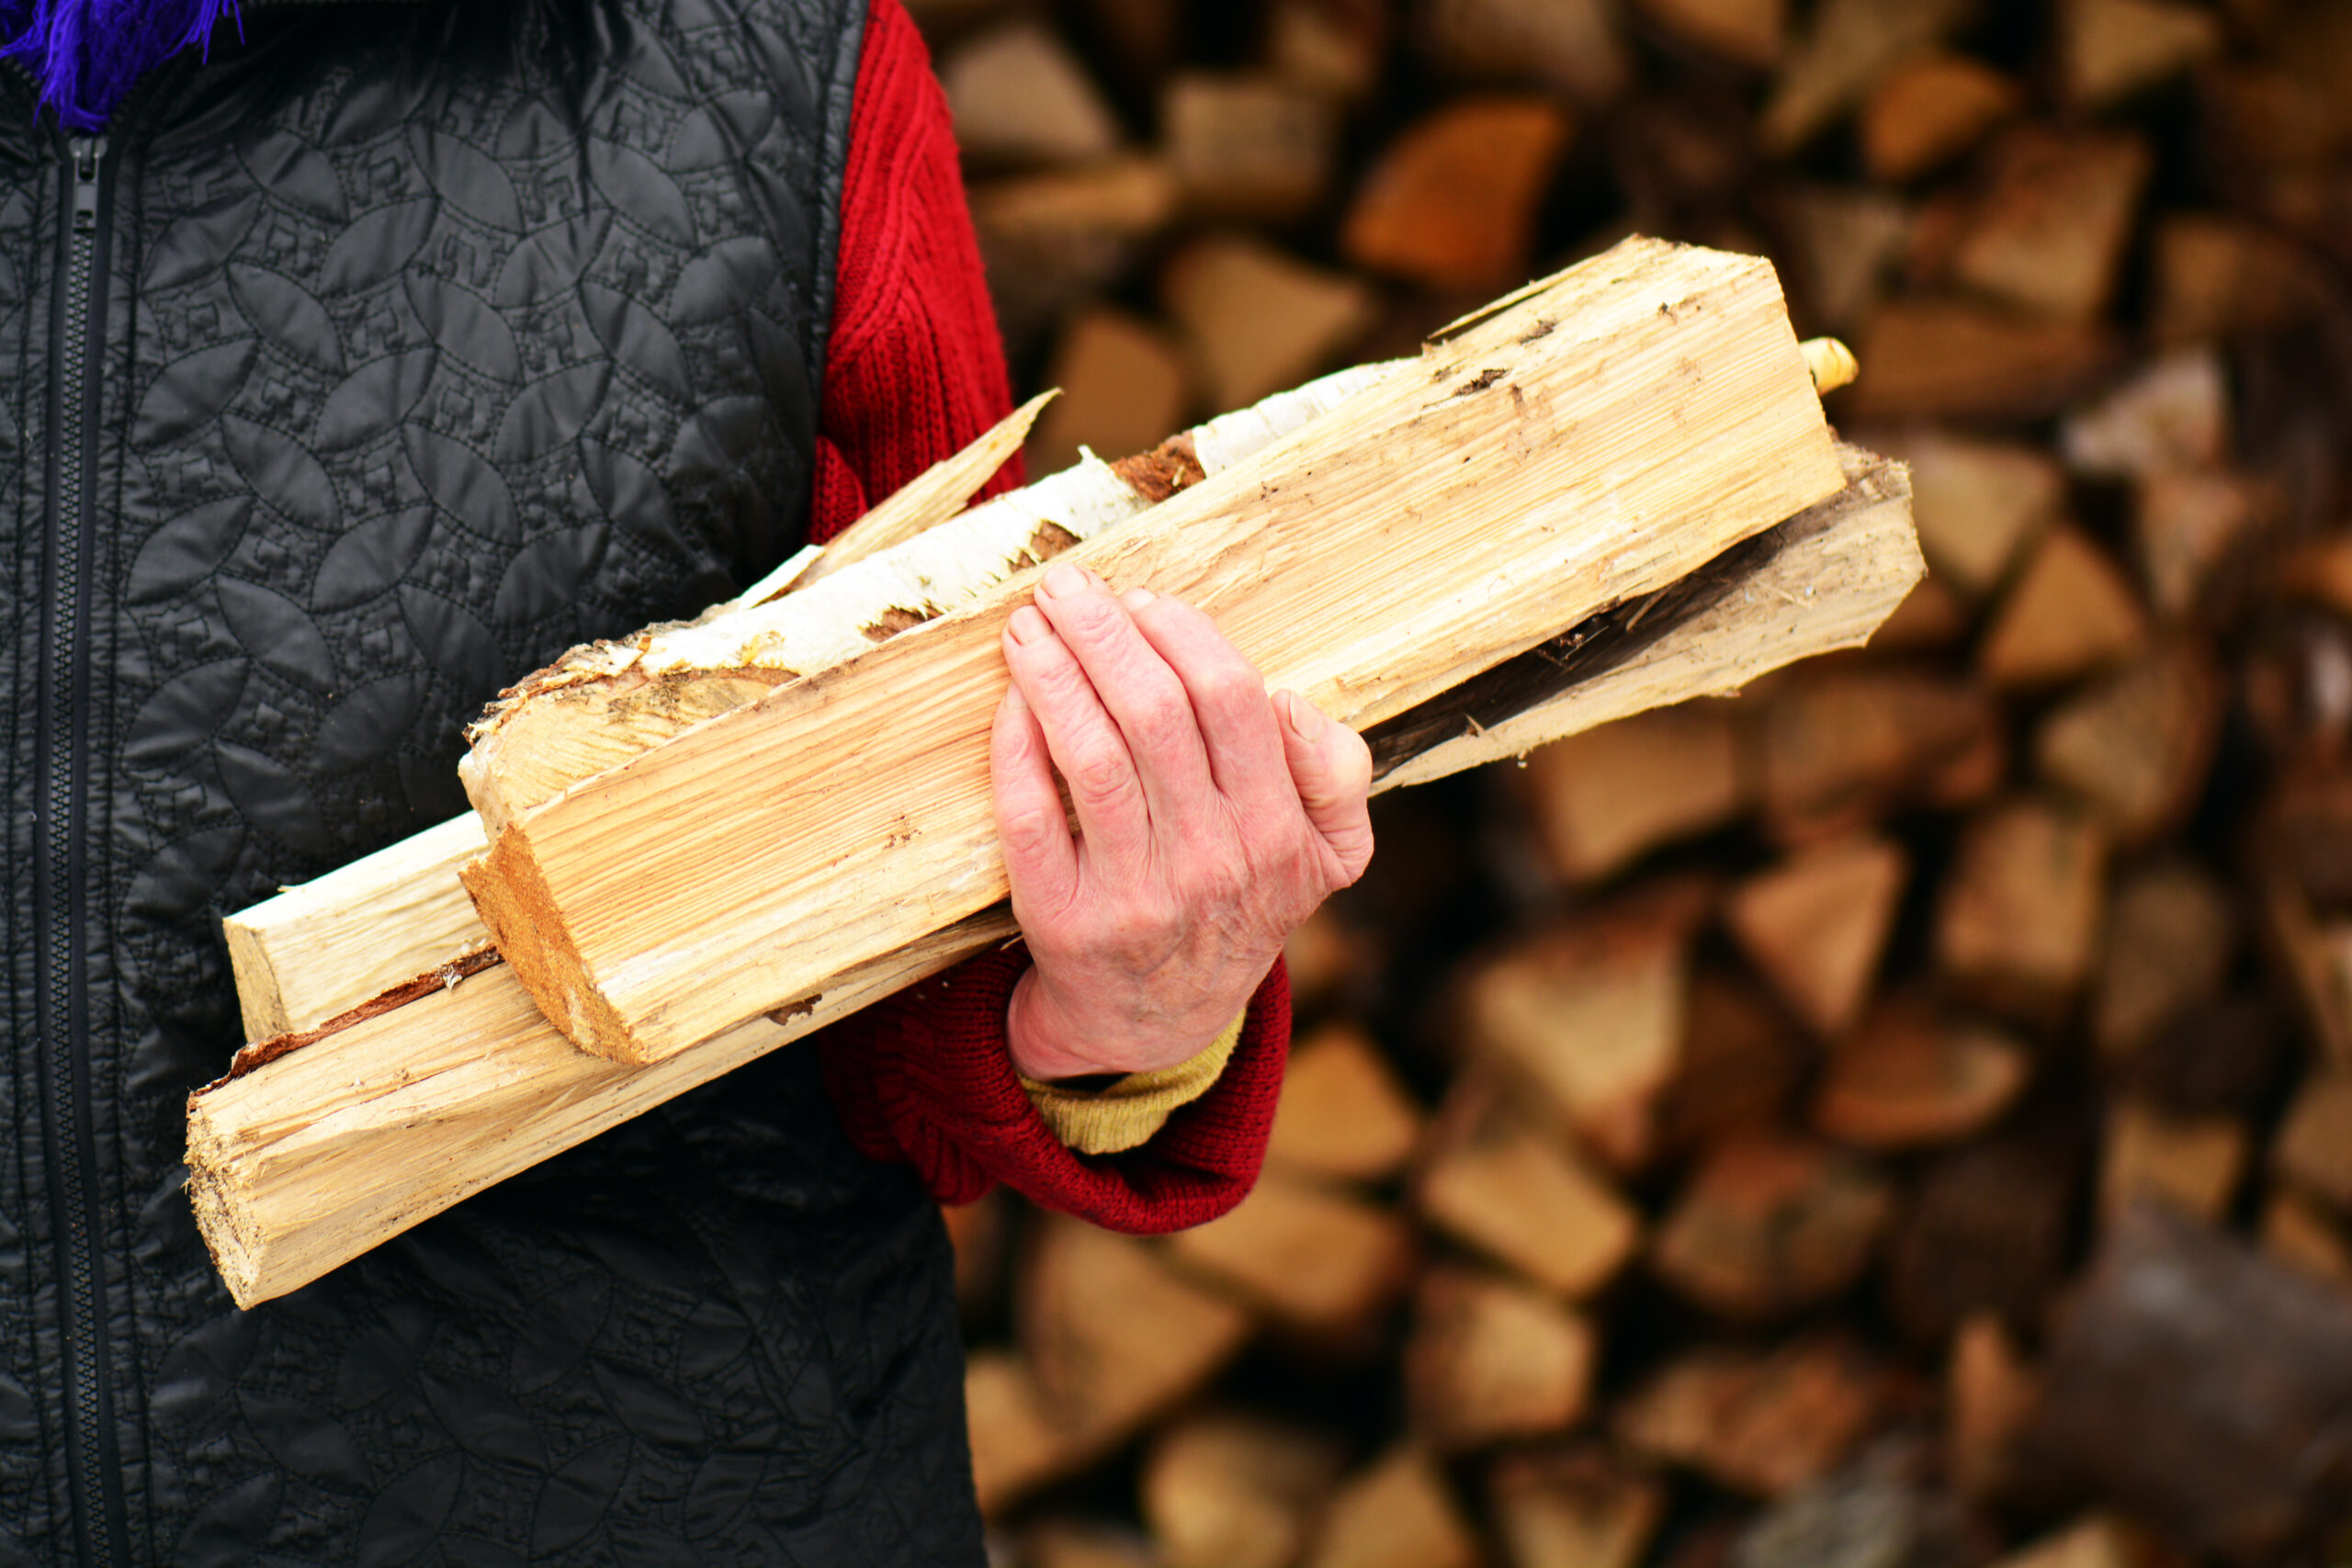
<point x="1079" y="738"/>
<point x="1228" y="700"/>
<point x="1332" y="768"/>
<point x="1038" y="853"/>
<point x="1142" y="694"/>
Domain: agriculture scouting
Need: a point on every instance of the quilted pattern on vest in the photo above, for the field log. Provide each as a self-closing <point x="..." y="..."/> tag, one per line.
<point x="421" y="358"/>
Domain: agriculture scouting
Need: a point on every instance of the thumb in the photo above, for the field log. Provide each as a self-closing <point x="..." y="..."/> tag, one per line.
<point x="1331" y="767"/>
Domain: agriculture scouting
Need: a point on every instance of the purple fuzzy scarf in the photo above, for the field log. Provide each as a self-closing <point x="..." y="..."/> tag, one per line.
<point x="87" y="53"/>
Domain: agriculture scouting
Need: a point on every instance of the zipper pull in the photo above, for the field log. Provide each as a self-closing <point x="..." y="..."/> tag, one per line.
<point x="87" y="153"/>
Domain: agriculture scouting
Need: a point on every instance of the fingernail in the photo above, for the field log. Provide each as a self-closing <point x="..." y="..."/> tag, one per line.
<point x="1298" y="716"/>
<point x="1029" y="626"/>
<point x="1063" y="580"/>
<point x="1136" y="598"/>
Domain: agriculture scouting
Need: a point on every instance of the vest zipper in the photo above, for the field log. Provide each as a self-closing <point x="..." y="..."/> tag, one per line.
<point x="100" y="1528"/>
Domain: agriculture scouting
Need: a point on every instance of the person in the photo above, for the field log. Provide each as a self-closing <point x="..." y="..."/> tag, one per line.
<point x="355" y="358"/>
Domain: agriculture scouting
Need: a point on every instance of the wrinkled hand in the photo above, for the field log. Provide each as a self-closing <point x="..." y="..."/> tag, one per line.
<point x="1212" y="819"/>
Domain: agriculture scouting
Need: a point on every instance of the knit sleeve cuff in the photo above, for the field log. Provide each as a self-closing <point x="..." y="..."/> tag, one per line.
<point x="1129" y="1112"/>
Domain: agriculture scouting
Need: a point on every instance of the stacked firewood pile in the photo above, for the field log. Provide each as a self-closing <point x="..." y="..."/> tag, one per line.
<point x="1902" y="1117"/>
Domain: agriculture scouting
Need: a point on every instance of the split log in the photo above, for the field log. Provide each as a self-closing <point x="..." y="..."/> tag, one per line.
<point x="2018" y="922"/>
<point x="1880" y="1507"/>
<point x="2094" y="1542"/>
<point x="2136" y="747"/>
<point x="1018" y="96"/>
<point x="644" y="929"/>
<point x="1952" y="359"/>
<point x="1747" y="32"/>
<point x="1225" y="1490"/>
<point x="1111" y="1334"/>
<point x="2173" y="415"/>
<point x="1911" y="1077"/>
<point x="2070" y="612"/>
<point x="1249" y="146"/>
<point x="318" y="1147"/>
<point x="2298" y="1231"/>
<point x="1930" y="111"/>
<point x="1770" y="1224"/>
<point x="2313" y="1148"/>
<point x="1335" y="48"/>
<point x="2220" y="277"/>
<point x="1018" y="1443"/>
<point x="1822" y="581"/>
<point x="1839" y="748"/>
<point x="1815" y="924"/>
<point x="1571" y="46"/>
<point x="1342" y="1115"/>
<point x="1055" y="239"/>
<point x="1398" y="1514"/>
<point x="1978" y="504"/>
<point x="1450" y="203"/>
<point x="2221" y="1057"/>
<point x="981" y="1233"/>
<point x="1741" y="1061"/>
<point x="1843" y="245"/>
<point x="1580" y="1508"/>
<point x="1497" y="1184"/>
<point x="1760" y="1423"/>
<point x="1602" y="799"/>
<point x="1851" y="44"/>
<point x="2193" y="1163"/>
<point x="2111" y="49"/>
<point x="1987" y="1233"/>
<point x="1313" y="1256"/>
<point x="2202" y="1386"/>
<point x="1989" y="1391"/>
<point x="1125" y="385"/>
<point x="2049" y="234"/>
<point x="1590" y="1019"/>
<point x="319" y="950"/>
<point x="2170" y="939"/>
<point x="1489" y="1361"/>
<point x="2187" y="526"/>
<point x="1257" y="318"/>
<point x="1061" y="1543"/>
<point x="423" y="1113"/>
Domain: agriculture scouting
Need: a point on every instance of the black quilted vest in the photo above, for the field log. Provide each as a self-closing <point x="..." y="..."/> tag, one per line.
<point x="367" y="366"/>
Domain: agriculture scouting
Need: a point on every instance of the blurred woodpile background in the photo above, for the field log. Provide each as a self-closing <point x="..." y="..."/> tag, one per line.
<point x="1903" y="1117"/>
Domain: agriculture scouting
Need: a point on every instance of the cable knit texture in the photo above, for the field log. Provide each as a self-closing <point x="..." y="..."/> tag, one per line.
<point x="916" y="371"/>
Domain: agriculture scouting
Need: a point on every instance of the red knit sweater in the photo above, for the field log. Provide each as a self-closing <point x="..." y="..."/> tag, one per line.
<point x="914" y="371"/>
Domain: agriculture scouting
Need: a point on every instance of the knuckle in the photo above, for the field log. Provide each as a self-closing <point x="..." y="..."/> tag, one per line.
<point x="1101" y="776"/>
<point x="1090" y="618"/>
<point x="1236" y="692"/>
<point x="1163" y="719"/>
<point x="1027" y="831"/>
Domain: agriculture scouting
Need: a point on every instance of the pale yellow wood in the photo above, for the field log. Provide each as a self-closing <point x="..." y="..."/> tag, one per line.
<point x="1841" y="570"/>
<point x="310" y="1160"/>
<point x="930" y="498"/>
<point x="603" y="703"/>
<point x="324" y="947"/>
<point x="405" y="1115"/>
<point x="643" y="907"/>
